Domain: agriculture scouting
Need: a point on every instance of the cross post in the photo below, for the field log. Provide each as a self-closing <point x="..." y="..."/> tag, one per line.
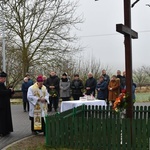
<point x="128" y="34"/>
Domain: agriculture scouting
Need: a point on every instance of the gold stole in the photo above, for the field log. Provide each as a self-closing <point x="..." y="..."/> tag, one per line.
<point x="37" y="117"/>
<point x="39" y="107"/>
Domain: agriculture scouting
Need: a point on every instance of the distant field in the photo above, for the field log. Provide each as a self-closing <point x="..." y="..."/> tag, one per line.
<point x="140" y="97"/>
<point x="143" y="97"/>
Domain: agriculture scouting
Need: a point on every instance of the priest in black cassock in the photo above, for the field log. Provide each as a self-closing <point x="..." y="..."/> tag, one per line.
<point x="5" y="110"/>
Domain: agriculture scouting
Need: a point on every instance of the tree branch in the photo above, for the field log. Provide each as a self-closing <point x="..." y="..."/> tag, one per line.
<point x="135" y="3"/>
<point x="148" y="5"/>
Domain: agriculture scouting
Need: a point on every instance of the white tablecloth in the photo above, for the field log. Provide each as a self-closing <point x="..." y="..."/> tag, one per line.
<point x="65" y="105"/>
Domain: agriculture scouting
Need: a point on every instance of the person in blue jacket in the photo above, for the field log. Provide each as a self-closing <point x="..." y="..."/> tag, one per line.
<point x="24" y="89"/>
<point x="133" y="91"/>
<point x="101" y="88"/>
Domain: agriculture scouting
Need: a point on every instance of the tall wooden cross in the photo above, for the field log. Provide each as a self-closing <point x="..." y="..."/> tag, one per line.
<point x="128" y="34"/>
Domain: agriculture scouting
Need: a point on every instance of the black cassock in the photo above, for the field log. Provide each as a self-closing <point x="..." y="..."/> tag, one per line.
<point x="5" y="110"/>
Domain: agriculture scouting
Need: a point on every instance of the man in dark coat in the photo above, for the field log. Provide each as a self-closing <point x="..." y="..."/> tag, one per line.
<point x="76" y="86"/>
<point x="123" y="81"/>
<point x="119" y="74"/>
<point x="90" y="85"/>
<point x="5" y="110"/>
<point x="52" y="84"/>
<point x="119" y="77"/>
<point x="107" y="79"/>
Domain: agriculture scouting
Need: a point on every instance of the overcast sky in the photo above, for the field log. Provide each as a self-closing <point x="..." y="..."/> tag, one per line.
<point x="99" y="37"/>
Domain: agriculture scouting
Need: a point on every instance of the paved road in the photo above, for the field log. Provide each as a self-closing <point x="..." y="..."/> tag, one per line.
<point x="21" y="125"/>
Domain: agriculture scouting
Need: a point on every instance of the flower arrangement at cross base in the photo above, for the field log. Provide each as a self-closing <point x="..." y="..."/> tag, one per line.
<point x="120" y="103"/>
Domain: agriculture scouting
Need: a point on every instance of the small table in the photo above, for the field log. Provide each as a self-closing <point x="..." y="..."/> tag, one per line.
<point x="66" y="105"/>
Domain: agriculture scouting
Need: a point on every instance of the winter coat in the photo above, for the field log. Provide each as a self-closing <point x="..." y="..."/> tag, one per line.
<point x="106" y="78"/>
<point x="30" y="82"/>
<point x="90" y="82"/>
<point x="122" y="82"/>
<point x="24" y="89"/>
<point x="101" y="89"/>
<point x="113" y="94"/>
<point x="133" y="91"/>
<point x="77" y="86"/>
<point x="64" y="86"/>
<point x="53" y="81"/>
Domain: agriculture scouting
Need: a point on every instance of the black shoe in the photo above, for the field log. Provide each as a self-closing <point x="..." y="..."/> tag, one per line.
<point x="24" y="110"/>
<point x="4" y="134"/>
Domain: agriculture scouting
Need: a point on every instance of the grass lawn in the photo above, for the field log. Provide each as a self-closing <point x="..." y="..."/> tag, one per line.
<point x="143" y="97"/>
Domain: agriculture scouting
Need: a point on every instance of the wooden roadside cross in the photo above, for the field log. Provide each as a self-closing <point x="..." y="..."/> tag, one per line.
<point x="128" y="34"/>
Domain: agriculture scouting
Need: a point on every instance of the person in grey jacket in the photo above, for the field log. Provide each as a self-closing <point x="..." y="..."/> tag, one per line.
<point x="64" y="86"/>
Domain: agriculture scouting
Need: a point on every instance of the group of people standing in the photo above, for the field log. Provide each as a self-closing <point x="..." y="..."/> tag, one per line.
<point x="48" y="91"/>
<point x="61" y="88"/>
<point x="105" y="88"/>
<point x="110" y="88"/>
<point x="45" y="93"/>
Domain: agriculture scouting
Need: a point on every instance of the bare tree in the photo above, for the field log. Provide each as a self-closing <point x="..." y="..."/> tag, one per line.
<point x="84" y="66"/>
<point x="140" y="77"/>
<point x="146" y="69"/>
<point x="38" y="33"/>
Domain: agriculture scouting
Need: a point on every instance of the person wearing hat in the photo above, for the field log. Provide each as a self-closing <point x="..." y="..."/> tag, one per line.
<point x="76" y="86"/>
<point x="101" y="88"/>
<point x="38" y="98"/>
<point x="6" y="125"/>
<point x="64" y="87"/>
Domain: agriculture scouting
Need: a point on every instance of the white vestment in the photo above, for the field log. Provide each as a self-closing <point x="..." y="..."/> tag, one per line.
<point x="33" y="95"/>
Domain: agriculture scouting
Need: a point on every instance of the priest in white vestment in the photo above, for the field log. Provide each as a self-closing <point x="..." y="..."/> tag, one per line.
<point x="38" y="98"/>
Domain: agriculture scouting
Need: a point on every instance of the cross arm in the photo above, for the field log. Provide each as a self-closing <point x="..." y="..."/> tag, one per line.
<point x="126" y="31"/>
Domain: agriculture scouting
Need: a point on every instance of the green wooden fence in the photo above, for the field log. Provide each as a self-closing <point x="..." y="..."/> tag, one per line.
<point x="99" y="128"/>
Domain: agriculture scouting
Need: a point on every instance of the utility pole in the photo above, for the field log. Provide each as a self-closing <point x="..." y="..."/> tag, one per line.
<point x="3" y="36"/>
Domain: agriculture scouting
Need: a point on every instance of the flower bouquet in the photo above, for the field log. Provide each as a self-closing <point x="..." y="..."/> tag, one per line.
<point x="120" y="103"/>
<point x="53" y="93"/>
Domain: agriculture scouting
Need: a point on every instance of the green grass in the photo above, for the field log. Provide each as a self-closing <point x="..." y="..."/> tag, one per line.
<point x="142" y="97"/>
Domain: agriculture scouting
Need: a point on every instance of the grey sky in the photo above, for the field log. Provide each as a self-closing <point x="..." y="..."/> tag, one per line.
<point x="98" y="32"/>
